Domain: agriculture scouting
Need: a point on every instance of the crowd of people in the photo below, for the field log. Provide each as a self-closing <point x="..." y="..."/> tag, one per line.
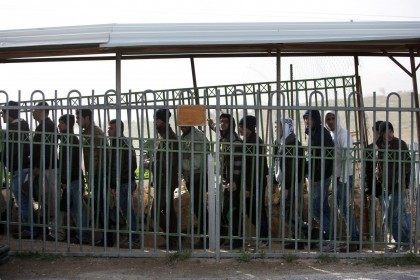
<point x="57" y="179"/>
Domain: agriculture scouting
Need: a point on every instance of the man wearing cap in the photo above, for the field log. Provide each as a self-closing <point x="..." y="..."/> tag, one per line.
<point x="256" y="171"/>
<point x="121" y="166"/>
<point x="16" y="159"/>
<point x="44" y="162"/>
<point x="164" y="168"/>
<point x="71" y="177"/>
<point x="320" y="170"/>
<point x="393" y="171"/>
<point x="231" y="170"/>
<point x="195" y="146"/>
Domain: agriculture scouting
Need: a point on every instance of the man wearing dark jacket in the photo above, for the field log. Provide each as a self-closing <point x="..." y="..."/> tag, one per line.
<point x="231" y="170"/>
<point x="44" y="162"/>
<point x="16" y="159"/>
<point x="289" y="172"/>
<point x="165" y="176"/>
<point x="121" y="176"/>
<point x="320" y="168"/>
<point x="71" y="177"/>
<point x="394" y="169"/>
<point x="370" y="179"/>
<point x="256" y="171"/>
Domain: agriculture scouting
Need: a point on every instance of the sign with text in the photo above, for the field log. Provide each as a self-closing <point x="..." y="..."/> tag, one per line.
<point x="191" y="115"/>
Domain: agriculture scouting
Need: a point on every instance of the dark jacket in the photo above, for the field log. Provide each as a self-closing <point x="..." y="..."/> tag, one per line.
<point x="95" y="144"/>
<point x="252" y="149"/>
<point x="127" y="172"/>
<point x="370" y="172"/>
<point x="319" y="148"/>
<point x="18" y="138"/>
<point x="166" y="162"/>
<point x="230" y="150"/>
<point x="291" y="154"/>
<point x="44" y="138"/>
<point x="68" y="154"/>
<point x="393" y="164"/>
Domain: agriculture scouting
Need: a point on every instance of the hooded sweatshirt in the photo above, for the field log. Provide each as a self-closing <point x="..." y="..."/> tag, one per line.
<point x="288" y="171"/>
<point x="343" y="146"/>
<point x="320" y="152"/>
<point x="230" y="145"/>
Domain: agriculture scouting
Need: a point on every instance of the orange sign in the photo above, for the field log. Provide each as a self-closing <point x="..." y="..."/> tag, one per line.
<point x="191" y="115"/>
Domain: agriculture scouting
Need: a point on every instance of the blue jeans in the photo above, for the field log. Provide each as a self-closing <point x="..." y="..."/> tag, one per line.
<point x="78" y="209"/>
<point x="393" y="206"/>
<point x="24" y="201"/>
<point x="123" y="201"/>
<point x="342" y="202"/>
<point x="316" y="190"/>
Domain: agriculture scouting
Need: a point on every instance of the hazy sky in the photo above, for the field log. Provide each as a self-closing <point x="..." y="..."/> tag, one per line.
<point x="378" y="74"/>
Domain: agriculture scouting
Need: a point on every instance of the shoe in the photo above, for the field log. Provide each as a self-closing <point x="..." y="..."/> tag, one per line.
<point x="25" y="234"/>
<point x="352" y="248"/>
<point x="76" y="240"/>
<point x="172" y="246"/>
<point x="263" y="243"/>
<point x="200" y="244"/>
<point x="101" y="243"/>
<point x="401" y="249"/>
<point x="326" y="247"/>
<point x="292" y="245"/>
<point x="4" y="250"/>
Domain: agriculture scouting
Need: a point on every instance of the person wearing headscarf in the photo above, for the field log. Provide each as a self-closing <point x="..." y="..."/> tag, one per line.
<point x="289" y="165"/>
<point x="256" y="172"/>
<point x="393" y="171"/>
<point x="343" y="143"/>
<point x="320" y="164"/>
<point x="231" y="171"/>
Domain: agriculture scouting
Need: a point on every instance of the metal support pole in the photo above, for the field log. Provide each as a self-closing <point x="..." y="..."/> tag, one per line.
<point x="415" y="92"/>
<point x="363" y="143"/>
<point x="196" y="96"/>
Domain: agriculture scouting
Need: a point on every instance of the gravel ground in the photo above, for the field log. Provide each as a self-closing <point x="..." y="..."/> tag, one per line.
<point x="170" y="268"/>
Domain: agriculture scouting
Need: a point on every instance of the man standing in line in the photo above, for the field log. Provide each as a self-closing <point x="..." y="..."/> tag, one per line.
<point x="16" y="159"/>
<point x="71" y="177"/>
<point x="291" y="170"/>
<point x="121" y="154"/>
<point x="165" y="176"/>
<point x="94" y="144"/>
<point x="44" y="163"/>
<point x="256" y="171"/>
<point x="393" y="171"/>
<point x="320" y="170"/>
<point x="194" y="170"/>
<point x="231" y="170"/>
<point x="344" y="175"/>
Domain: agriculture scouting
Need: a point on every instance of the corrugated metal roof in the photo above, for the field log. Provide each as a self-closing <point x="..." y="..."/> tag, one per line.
<point x="259" y="33"/>
<point x="215" y="37"/>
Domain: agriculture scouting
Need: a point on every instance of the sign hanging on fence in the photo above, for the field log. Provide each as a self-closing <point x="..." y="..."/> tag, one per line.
<point x="191" y="115"/>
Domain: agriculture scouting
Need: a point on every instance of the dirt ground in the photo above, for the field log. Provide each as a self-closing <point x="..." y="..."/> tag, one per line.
<point x="172" y="268"/>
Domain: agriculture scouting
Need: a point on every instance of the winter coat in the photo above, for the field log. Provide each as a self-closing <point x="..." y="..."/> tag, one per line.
<point x="319" y="152"/>
<point x="16" y="146"/>
<point x="343" y="148"/>
<point x="127" y="172"/>
<point x="393" y="163"/>
<point x="255" y="153"/>
<point x="166" y="162"/>
<point x="69" y="154"/>
<point x="44" y="138"/>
